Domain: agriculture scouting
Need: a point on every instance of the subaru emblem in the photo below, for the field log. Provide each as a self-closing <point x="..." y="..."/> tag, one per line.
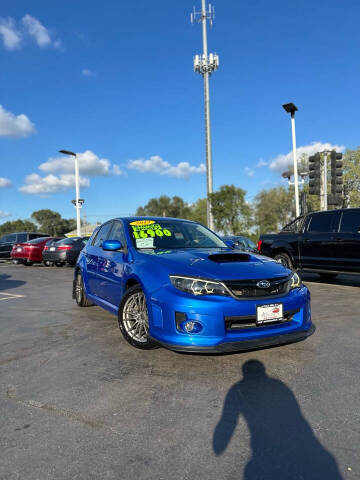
<point x="263" y="284"/>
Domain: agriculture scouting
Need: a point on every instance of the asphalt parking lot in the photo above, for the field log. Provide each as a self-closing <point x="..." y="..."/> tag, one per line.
<point x="78" y="402"/>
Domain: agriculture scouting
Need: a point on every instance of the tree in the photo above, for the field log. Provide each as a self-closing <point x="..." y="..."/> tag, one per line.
<point x="231" y="212"/>
<point x="198" y="211"/>
<point x="352" y="176"/>
<point x="51" y="222"/>
<point x="274" y="208"/>
<point x="17" y="226"/>
<point x="165" y="206"/>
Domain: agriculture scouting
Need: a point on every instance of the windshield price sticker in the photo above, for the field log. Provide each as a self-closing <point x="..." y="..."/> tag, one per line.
<point x="145" y="242"/>
<point x="143" y="222"/>
<point x="145" y="231"/>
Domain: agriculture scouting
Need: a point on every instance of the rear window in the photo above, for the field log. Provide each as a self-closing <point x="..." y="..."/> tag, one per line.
<point x="68" y="241"/>
<point x="350" y="222"/>
<point x="37" y="235"/>
<point x="21" y="237"/>
<point x="321" y="222"/>
<point x="37" y="240"/>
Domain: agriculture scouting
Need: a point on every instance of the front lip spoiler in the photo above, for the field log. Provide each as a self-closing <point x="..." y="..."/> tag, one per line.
<point x="243" y="345"/>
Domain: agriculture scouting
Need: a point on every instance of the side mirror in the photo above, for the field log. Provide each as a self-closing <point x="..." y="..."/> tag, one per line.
<point x="230" y="243"/>
<point x="111" y="245"/>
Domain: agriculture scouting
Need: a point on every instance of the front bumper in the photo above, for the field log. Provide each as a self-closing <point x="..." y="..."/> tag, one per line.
<point x="213" y="312"/>
<point x="243" y="345"/>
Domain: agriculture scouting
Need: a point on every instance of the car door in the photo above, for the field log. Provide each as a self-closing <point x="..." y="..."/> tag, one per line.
<point x="347" y="242"/>
<point x="6" y="245"/>
<point x="317" y="243"/>
<point x="111" y="267"/>
<point x="92" y="257"/>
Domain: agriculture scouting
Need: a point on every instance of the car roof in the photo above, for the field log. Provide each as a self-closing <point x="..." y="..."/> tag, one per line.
<point x="150" y="217"/>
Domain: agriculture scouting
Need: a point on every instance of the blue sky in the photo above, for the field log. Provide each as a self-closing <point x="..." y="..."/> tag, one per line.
<point x="115" y="80"/>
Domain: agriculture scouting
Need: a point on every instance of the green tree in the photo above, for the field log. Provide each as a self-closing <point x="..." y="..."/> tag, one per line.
<point x="231" y="212"/>
<point x="165" y="206"/>
<point x="17" y="226"/>
<point x="198" y="211"/>
<point x="51" y="222"/>
<point x="274" y="208"/>
<point x="352" y="176"/>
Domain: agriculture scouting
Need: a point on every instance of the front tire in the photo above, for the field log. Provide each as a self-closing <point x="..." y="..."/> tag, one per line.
<point x="284" y="259"/>
<point x="79" y="291"/>
<point x="59" y="264"/>
<point x="134" y="320"/>
<point x="16" y="262"/>
<point x="47" y="263"/>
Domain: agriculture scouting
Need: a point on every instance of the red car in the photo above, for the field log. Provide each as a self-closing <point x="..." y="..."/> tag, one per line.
<point x="29" y="252"/>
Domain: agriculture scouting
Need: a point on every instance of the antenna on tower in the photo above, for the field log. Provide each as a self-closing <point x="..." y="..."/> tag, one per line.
<point x="206" y="64"/>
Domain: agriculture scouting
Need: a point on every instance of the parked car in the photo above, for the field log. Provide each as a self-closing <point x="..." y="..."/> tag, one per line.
<point x="7" y="241"/>
<point x="174" y="283"/>
<point x="46" y="248"/>
<point x="241" y="243"/>
<point x="29" y="252"/>
<point x="324" y="242"/>
<point x="64" y="251"/>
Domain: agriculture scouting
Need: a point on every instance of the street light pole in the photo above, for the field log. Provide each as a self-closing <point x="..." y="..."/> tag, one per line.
<point x="206" y="64"/>
<point x="77" y="203"/>
<point x="291" y="108"/>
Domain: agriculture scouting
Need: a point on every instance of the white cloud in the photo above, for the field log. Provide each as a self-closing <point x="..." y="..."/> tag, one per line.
<point x="284" y="161"/>
<point x="37" y="185"/>
<point x="10" y="34"/>
<point x="13" y="33"/>
<point x="5" y="182"/>
<point x="261" y="163"/>
<point x="89" y="164"/>
<point x="156" y="164"/>
<point x="36" y="30"/>
<point x="4" y="214"/>
<point x="15" y="126"/>
<point x="249" y="171"/>
<point x="87" y="73"/>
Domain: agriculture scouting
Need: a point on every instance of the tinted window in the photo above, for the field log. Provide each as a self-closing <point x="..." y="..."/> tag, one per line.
<point x="5" y="239"/>
<point x="21" y="237"/>
<point x="37" y="240"/>
<point x="102" y="234"/>
<point x="294" y="226"/>
<point x="117" y="233"/>
<point x="321" y="222"/>
<point x="68" y="241"/>
<point x="10" y="238"/>
<point x="350" y="222"/>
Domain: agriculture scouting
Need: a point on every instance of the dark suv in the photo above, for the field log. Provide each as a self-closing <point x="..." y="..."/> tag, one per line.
<point x="7" y="241"/>
<point x="323" y="242"/>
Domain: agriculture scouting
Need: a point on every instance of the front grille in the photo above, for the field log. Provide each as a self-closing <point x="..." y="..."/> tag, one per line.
<point x="249" y="321"/>
<point x="249" y="289"/>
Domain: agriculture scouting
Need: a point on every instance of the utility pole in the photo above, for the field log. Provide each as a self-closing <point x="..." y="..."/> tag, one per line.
<point x="206" y="64"/>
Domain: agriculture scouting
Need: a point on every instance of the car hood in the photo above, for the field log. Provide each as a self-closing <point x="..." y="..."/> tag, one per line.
<point x="215" y="264"/>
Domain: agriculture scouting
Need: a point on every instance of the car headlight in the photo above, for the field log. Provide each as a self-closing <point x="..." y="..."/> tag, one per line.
<point x="197" y="286"/>
<point x="295" y="281"/>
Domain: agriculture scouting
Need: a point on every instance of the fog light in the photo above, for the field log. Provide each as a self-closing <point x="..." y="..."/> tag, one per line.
<point x="192" y="327"/>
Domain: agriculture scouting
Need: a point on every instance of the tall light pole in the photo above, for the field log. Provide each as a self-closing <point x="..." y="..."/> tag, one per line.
<point x="291" y="108"/>
<point x="78" y="201"/>
<point x="206" y="64"/>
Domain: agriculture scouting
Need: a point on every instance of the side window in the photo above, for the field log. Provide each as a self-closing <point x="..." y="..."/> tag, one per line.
<point x="21" y="237"/>
<point x="12" y="238"/>
<point x="117" y="233"/>
<point x="32" y="236"/>
<point x="350" y="222"/>
<point x="102" y="234"/>
<point x="321" y="223"/>
<point x="4" y="239"/>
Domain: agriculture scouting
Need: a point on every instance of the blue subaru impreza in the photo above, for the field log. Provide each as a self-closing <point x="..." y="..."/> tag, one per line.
<point x="174" y="283"/>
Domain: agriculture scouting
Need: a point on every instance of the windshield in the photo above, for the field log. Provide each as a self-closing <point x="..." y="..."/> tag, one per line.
<point x="170" y="234"/>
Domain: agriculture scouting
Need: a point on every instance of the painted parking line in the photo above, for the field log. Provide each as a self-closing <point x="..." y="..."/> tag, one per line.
<point x="9" y="296"/>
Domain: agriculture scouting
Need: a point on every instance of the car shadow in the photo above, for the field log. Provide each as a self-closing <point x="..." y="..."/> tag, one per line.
<point x="7" y="284"/>
<point x="341" y="279"/>
<point x="282" y="441"/>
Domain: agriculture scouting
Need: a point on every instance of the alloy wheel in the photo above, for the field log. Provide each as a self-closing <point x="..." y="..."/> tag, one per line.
<point x="135" y="317"/>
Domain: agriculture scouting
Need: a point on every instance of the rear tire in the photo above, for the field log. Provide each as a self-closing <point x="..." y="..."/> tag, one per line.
<point x="59" y="264"/>
<point x="27" y="263"/>
<point x="133" y="319"/>
<point x="285" y="260"/>
<point x="47" y="263"/>
<point x="16" y="262"/>
<point x="79" y="290"/>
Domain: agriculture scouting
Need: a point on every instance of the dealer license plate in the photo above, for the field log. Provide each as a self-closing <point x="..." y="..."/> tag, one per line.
<point x="52" y="249"/>
<point x="18" y="249"/>
<point x="269" y="313"/>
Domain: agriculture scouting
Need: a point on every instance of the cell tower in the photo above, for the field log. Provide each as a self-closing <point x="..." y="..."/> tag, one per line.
<point x="206" y="64"/>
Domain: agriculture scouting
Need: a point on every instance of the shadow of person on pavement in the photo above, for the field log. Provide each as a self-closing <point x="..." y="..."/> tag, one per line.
<point x="6" y="284"/>
<point x="283" y="444"/>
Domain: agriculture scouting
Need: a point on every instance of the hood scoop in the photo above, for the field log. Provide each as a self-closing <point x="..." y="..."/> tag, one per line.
<point x="229" y="257"/>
